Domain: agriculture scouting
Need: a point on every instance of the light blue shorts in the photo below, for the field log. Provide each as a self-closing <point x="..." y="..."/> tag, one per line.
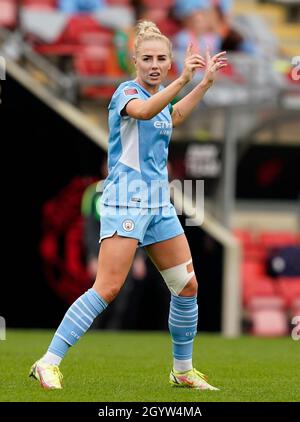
<point x="144" y="224"/>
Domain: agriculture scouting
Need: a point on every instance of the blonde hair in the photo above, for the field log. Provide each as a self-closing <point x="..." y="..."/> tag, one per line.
<point x="146" y="31"/>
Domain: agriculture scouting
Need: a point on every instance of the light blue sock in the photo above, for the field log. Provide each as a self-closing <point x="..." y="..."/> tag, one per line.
<point x="183" y="319"/>
<point x="76" y="322"/>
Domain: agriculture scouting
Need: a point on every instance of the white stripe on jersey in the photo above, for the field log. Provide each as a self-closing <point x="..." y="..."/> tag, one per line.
<point x="130" y="144"/>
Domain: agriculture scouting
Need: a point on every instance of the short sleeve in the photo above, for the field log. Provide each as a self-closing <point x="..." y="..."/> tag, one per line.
<point x="124" y="96"/>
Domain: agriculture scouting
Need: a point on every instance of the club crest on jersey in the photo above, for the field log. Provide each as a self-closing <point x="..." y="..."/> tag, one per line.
<point x="128" y="225"/>
<point x="130" y="91"/>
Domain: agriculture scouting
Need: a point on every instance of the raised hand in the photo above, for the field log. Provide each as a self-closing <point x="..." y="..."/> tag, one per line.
<point x="213" y="65"/>
<point x="192" y="62"/>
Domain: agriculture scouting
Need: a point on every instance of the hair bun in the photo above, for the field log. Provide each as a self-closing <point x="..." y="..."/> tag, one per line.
<point x="148" y="31"/>
<point x="146" y="27"/>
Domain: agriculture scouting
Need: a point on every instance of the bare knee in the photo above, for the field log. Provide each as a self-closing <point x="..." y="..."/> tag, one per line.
<point x="108" y="290"/>
<point x="191" y="289"/>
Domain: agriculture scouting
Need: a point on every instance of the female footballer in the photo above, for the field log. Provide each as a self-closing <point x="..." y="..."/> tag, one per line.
<point x="136" y="208"/>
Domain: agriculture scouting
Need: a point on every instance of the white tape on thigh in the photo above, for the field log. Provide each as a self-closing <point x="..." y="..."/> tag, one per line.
<point x="176" y="278"/>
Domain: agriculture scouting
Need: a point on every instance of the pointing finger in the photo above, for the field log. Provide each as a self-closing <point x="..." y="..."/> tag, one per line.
<point x="189" y="50"/>
<point x="220" y="54"/>
<point x="207" y="53"/>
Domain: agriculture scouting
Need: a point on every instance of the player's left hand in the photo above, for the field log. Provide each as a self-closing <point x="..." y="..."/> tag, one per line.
<point x="213" y="65"/>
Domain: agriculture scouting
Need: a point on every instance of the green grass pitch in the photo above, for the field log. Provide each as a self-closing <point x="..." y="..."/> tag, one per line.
<point x="123" y="366"/>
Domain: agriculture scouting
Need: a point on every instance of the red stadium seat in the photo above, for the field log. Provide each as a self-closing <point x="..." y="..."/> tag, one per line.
<point x="97" y="61"/>
<point x="57" y="49"/>
<point x="40" y="4"/>
<point x="255" y="252"/>
<point x="252" y="269"/>
<point x="100" y="37"/>
<point x="266" y="299"/>
<point x="267" y="316"/>
<point x="289" y="289"/>
<point x="277" y="239"/>
<point x="168" y="27"/>
<point x="251" y="250"/>
<point x="260" y="286"/>
<point x="78" y="28"/>
<point x="8" y="13"/>
<point x="92" y="61"/>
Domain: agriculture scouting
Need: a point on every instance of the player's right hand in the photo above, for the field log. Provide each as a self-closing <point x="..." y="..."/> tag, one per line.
<point x="192" y="62"/>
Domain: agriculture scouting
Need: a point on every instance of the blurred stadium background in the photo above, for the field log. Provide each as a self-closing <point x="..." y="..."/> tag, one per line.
<point x="62" y="62"/>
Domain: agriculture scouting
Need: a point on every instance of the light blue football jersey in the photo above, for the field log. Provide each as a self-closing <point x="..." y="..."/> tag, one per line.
<point x="137" y="153"/>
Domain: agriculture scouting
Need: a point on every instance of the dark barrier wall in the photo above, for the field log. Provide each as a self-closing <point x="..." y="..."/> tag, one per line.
<point x="264" y="171"/>
<point x="48" y="162"/>
<point x="44" y="153"/>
